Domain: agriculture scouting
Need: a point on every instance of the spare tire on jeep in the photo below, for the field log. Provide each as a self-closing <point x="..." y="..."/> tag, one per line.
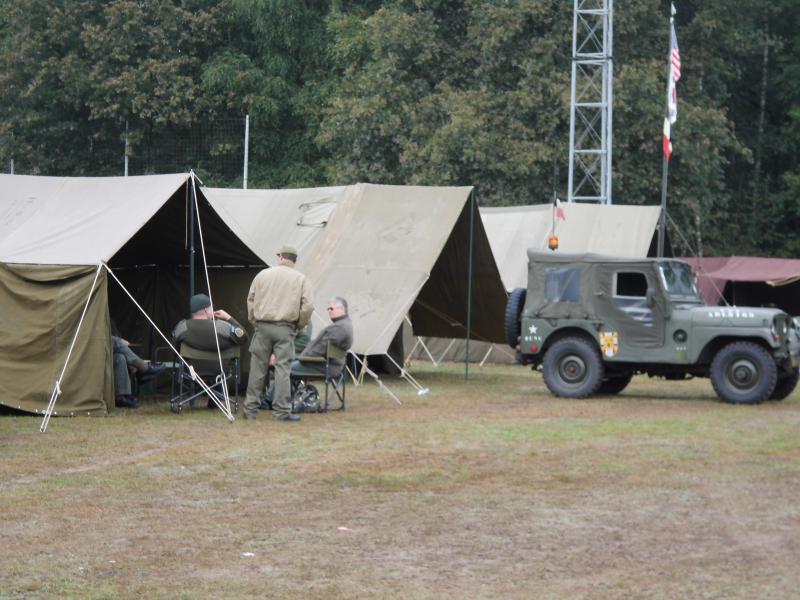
<point x="514" y="306"/>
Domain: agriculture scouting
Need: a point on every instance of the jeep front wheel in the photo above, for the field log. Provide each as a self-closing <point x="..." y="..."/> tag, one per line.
<point x="614" y="385"/>
<point x="572" y="368"/>
<point x="785" y="386"/>
<point x="743" y="373"/>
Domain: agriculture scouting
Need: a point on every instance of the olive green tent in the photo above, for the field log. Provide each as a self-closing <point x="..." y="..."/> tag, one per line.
<point x="54" y="232"/>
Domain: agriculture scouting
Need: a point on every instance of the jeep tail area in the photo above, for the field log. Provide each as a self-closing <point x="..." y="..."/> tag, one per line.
<point x="591" y="322"/>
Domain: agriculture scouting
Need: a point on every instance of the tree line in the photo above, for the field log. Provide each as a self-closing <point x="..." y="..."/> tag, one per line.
<point x="427" y="92"/>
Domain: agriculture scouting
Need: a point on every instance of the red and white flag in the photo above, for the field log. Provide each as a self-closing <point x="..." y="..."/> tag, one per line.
<point x="559" y="212"/>
<point x="674" y="76"/>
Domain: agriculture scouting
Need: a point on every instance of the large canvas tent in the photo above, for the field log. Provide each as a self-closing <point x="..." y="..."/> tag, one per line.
<point x="54" y="231"/>
<point x="749" y="281"/>
<point x="614" y="230"/>
<point x="390" y="250"/>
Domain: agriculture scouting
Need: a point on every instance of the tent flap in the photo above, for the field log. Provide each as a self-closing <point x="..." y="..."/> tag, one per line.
<point x="41" y="309"/>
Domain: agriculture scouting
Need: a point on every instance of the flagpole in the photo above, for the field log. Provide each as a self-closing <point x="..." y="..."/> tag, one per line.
<point x="662" y="219"/>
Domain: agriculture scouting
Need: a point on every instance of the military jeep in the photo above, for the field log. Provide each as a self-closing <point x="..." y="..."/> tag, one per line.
<point x="591" y="322"/>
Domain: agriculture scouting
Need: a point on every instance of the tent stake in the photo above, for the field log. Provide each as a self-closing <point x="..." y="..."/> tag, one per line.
<point x="366" y="369"/>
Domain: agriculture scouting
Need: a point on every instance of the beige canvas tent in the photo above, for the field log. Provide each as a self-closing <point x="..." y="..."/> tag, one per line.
<point x="625" y="231"/>
<point x="614" y="230"/>
<point x="54" y="231"/>
<point x="390" y="250"/>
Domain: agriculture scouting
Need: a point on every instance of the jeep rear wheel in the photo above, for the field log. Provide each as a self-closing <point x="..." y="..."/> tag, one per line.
<point x="514" y="306"/>
<point x="614" y="385"/>
<point x="785" y="386"/>
<point x="743" y="373"/>
<point x="572" y="368"/>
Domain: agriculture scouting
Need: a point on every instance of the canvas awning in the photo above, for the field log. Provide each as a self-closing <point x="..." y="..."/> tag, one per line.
<point x="614" y="230"/>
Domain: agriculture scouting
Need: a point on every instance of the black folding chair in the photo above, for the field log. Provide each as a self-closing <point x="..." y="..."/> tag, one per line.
<point x="324" y="370"/>
<point x="206" y="365"/>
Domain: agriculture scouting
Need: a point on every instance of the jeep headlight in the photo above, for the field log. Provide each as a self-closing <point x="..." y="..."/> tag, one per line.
<point x="780" y="329"/>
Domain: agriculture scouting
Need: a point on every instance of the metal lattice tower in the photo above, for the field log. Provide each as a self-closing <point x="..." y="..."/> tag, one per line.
<point x="591" y="102"/>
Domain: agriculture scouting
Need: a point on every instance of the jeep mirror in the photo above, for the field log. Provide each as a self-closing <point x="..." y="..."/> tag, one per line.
<point x="650" y="297"/>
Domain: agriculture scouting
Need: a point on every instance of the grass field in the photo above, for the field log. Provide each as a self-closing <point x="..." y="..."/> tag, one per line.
<point x="491" y="489"/>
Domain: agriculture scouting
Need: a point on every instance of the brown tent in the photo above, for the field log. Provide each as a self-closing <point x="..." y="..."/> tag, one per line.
<point x="749" y="281"/>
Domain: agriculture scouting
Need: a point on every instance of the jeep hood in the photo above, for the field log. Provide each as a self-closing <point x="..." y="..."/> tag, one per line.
<point x="734" y="316"/>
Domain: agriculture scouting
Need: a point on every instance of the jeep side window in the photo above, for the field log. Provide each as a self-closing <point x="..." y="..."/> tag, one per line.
<point x="630" y="296"/>
<point x="562" y="284"/>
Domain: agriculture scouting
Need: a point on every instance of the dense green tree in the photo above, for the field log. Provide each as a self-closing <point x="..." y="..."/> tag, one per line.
<point x="453" y="93"/>
<point x="273" y="67"/>
<point x="439" y="92"/>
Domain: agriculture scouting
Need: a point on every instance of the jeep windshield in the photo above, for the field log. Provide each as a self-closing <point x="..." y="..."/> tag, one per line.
<point x="679" y="281"/>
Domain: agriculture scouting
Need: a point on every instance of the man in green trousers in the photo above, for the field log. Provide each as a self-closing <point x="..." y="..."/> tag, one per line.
<point x="279" y="305"/>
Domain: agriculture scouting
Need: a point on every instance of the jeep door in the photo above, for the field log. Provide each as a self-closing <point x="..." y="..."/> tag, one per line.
<point x="624" y="303"/>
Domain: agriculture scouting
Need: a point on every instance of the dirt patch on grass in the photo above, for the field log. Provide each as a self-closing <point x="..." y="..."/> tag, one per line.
<point x="485" y="489"/>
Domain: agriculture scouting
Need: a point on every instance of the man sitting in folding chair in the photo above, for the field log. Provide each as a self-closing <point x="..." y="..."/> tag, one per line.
<point x="325" y="357"/>
<point x="196" y="343"/>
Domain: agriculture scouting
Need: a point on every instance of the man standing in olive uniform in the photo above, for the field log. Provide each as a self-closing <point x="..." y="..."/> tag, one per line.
<point x="279" y="305"/>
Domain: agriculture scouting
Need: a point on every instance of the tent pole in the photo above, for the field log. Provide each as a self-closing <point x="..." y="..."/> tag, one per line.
<point x="421" y="391"/>
<point x="469" y="281"/>
<point x="428" y="352"/>
<point x="371" y="373"/>
<point x="191" y="238"/>
<point x="246" y="147"/>
<point x="210" y="297"/>
<point x="442" y="356"/>
<point x="486" y="356"/>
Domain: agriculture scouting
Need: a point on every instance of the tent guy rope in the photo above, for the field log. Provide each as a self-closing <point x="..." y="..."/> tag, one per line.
<point x="225" y="410"/>
<point x="57" y="388"/>
<point x="210" y="296"/>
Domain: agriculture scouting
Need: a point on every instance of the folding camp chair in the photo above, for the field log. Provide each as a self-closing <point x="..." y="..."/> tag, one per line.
<point x="206" y="365"/>
<point x="320" y="367"/>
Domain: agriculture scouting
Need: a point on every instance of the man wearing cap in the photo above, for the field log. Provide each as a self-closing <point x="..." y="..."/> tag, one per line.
<point x="197" y="332"/>
<point x="279" y="305"/>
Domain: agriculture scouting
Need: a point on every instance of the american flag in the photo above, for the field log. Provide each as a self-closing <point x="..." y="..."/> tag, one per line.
<point x="674" y="76"/>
